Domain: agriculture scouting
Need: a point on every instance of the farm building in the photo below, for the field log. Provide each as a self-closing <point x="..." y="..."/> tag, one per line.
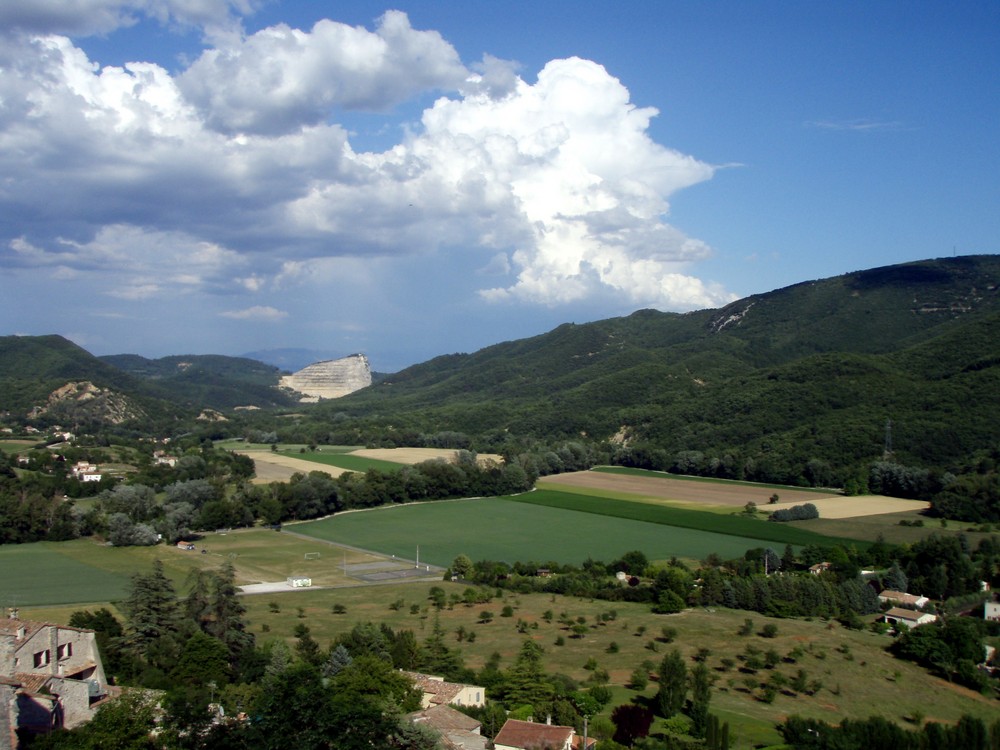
<point x="889" y="596"/>
<point x="438" y="692"/>
<point x="529" y="735"/>
<point x="51" y="676"/>
<point x="907" y="618"/>
<point x="458" y="731"/>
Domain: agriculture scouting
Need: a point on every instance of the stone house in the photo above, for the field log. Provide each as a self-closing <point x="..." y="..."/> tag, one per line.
<point x="437" y="692"/>
<point x="50" y="676"/>
<point x="458" y="731"/>
<point x="529" y="735"/>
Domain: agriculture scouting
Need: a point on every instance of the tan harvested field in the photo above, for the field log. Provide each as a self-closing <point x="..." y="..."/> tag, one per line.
<point x="415" y="455"/>
<point x="855" y="507"/>
<point x="273" y="467"/>
<point x="675" y="490"/>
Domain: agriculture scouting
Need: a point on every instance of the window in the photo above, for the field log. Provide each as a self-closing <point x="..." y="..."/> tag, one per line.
<point x="64" y="651"/>
<point x="42" y="658"/>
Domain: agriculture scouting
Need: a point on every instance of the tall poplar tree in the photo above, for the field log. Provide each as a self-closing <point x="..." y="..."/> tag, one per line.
<point x="673" y="684"/>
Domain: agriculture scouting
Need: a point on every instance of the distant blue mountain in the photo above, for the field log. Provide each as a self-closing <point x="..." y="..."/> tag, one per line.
<point x="291" y="359"/>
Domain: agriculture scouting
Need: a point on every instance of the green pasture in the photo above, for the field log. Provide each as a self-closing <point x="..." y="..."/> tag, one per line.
<point x="44" y="573"/>
<point x="512" y="530"/>
<point x="858" y="677"/>
<point x="745" y="527"/>
<point x="17" y="445"/>
<point x="81" y="571"/>
<point x="886" y="525"/>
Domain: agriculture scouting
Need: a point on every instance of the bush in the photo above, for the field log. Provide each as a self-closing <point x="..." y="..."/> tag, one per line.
<point x="796" y="513"/>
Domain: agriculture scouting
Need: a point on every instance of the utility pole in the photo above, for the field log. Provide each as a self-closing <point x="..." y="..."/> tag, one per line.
<point x="887" y="452"/>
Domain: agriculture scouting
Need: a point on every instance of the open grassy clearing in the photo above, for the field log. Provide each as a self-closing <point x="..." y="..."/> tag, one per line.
<point x="509" y="530"/>
<point x="17" y="445"/>
<point x="858" y="678"/>
<point x="887" y="525"/>
<point x="81" y="571"/>
<point x="755" y="529"/>
<point x="45" y="573"/>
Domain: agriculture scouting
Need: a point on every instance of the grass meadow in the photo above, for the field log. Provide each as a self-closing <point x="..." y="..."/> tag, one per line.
<point x="736" y="524"/>
<point x="858" y="677"/>
<point x="47" y="573"/>
<point x="81" y="571"/>
<point x="509" y="530"/>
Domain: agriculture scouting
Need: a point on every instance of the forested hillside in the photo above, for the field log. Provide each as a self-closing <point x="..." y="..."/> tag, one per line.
<point x="812" y="384"/>
<point x="808" y="384"/>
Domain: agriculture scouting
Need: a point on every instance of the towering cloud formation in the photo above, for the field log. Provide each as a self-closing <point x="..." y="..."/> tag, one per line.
<point x="238" y="164"/>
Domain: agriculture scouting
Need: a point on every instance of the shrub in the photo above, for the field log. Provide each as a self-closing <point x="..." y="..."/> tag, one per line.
<point x="802" y="512"/>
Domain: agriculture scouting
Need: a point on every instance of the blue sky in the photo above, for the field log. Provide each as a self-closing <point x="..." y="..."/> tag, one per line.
<point x="415" y="179"/>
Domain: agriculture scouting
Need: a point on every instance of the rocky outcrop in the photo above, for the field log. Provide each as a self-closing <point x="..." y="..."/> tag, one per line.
<point x="85" y="401"/>
<point x="330" y="379"/>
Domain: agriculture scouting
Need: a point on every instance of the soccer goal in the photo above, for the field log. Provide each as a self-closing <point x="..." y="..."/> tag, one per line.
<point x="311" y="555"/>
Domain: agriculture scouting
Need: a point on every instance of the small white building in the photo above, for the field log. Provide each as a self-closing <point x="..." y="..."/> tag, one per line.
<point x="907" y="618"/>
<point x="299" y="582"/>
<point x="991" y="611"/>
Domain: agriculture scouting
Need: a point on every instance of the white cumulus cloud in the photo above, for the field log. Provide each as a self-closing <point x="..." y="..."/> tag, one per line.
<point x="234" y="176"/>
<point x="281" y="78"/>
<point x="257" y="312"/>
<point x="85" y="17"/>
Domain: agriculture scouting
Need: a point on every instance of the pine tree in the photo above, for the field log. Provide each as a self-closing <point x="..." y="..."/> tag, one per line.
<point x="227" y="623"/>
<point x="339" y="658"/>
<point x="151" y="611"/>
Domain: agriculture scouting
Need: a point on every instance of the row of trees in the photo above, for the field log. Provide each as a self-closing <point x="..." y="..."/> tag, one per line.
<point x="969" y="733"/>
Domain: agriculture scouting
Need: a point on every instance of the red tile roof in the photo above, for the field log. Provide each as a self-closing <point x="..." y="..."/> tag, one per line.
<point x="531" y="735"/>
<point x="32" y="683"/>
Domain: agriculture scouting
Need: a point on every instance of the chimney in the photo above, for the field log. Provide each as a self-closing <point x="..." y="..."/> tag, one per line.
<point x="7" y="649"/>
